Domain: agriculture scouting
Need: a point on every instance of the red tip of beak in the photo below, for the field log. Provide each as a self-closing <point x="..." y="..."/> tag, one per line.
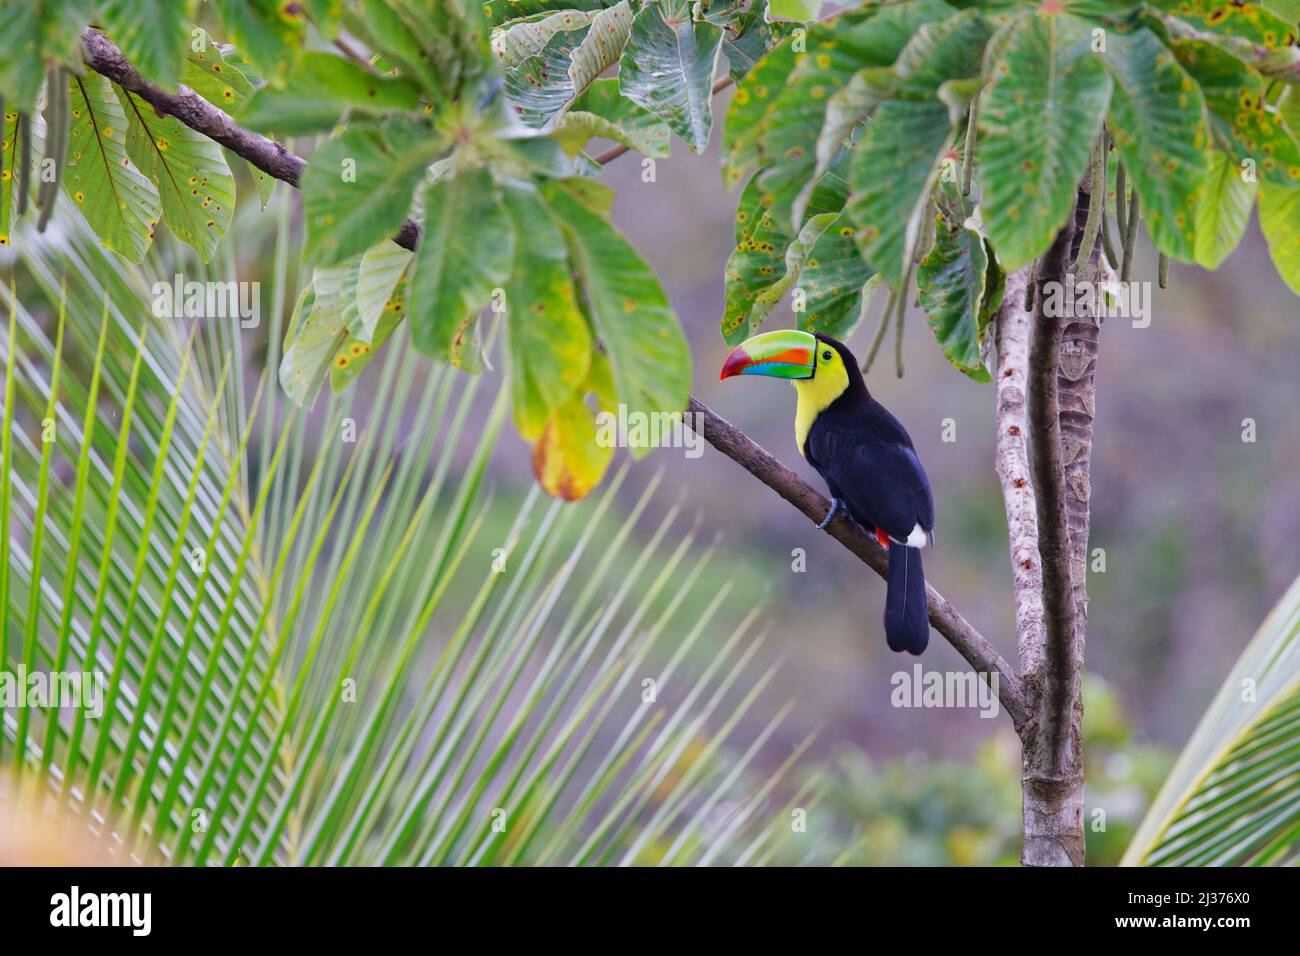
<point x="736" y="362"/>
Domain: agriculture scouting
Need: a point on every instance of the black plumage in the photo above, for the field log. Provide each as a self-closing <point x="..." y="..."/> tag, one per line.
<point x="868" y="462"/>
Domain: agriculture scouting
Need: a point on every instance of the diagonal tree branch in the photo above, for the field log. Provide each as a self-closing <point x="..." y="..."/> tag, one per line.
<point x="272" y="158"/>
<point x="945" y="618"/>
<point x="103" y="56"/>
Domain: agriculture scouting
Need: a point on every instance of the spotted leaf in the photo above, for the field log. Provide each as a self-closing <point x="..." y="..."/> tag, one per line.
<point x="897" y="161"/>
<point x="119" y="202"/>
<point x="1157" y="119"/>
<point x="188" y="169"/>
<point x="546" y="333"/>
<point x="1044" y="106"/>
<point x="667" y="68"/>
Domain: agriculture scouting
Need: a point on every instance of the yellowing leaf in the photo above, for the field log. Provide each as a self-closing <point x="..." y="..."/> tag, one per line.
<point x="567" y="459"/>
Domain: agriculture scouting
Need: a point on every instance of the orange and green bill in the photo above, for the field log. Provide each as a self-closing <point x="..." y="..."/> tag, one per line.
<point x="786" y="353"/>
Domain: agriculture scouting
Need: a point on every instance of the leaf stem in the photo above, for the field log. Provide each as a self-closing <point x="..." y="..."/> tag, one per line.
<point x="1098" y="192"/>
<point x="968" y="154"/>
<point x="1130" y="236"/>
<point x="880" y="332"/>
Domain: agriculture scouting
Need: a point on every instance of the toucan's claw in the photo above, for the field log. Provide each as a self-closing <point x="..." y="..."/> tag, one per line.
<point x="835" y="506"/>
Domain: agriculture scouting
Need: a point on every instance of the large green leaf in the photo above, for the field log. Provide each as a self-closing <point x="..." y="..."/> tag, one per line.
<point x="751" y="101"/>
<point x="357" y="190"/>
<point x="1157" y="120"/>
<point x="152" y="34"/>
<point x="316" y="332"/>
<point x="189" y="171"/>
<point x="320" y="89"/>
<point x="951" y="283"/>
<point x="1279" y="217"/>
<point x="1240" y="121"/>
<point x="788" y="133"/>
<point x="546" y="332"/>
<point x="835" y="282"/>
<point x="872" y="51"/>
<point x="896" y="163"/>
<point x="1233" y="797"/>
<point x="119" y="202"/>
<point x="756" y="262"/>
<point x="629" y="311"/>
<point x="466" y="251"/>
<point x="269" y="32"/>
<point x="667" y="68"/>
<point x="1222" y="211"/>
<point x="539" y="88"/>
<point x="1043" y="108"/>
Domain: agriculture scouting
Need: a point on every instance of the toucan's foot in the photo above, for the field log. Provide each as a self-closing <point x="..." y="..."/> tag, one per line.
<point x="835" y="506"/>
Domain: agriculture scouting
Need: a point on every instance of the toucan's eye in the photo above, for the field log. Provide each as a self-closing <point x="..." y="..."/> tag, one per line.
<point x="826" y="356"/>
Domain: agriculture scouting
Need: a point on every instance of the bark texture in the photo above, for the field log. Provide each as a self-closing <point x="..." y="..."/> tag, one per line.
<point x="1014" y="331"/>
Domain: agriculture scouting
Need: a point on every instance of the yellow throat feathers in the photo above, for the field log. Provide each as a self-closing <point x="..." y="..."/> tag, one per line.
<point x="813" y="395"/>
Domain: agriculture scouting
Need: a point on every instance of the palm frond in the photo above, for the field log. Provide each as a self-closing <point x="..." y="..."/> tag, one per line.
<point x="324" y="638"/>
<point x="1233" y="797"/>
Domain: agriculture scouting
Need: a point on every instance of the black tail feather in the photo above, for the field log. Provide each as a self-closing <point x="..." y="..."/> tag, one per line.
<point x="907" y="624"/>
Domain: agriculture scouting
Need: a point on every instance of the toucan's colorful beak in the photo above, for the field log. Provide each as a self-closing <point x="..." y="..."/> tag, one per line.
<point x="783" y="354"/>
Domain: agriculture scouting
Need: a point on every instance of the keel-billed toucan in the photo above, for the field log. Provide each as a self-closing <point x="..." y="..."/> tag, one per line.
<point x="865" y="456"/>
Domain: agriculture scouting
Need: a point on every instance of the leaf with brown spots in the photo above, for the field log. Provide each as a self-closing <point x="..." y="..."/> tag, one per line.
<point x="1157" y="119"/>
<point x="8" y="173"/>
<point x="119" y="202"/>
<point x="1037" y="119"/>
<point x="189" y="170"/>
<point x="667" y="68"/>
